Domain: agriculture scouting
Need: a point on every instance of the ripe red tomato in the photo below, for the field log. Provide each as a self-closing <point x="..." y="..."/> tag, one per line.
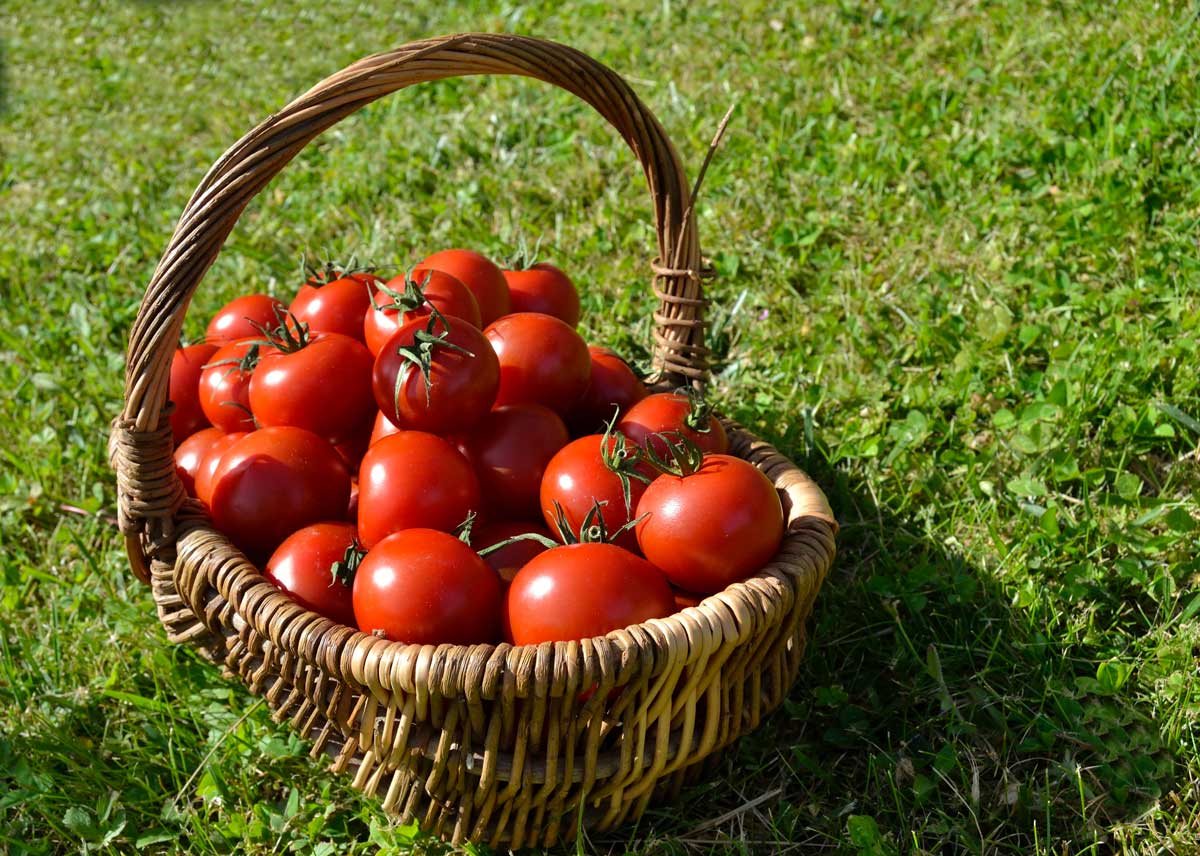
<point x="210" y="460"/>
<point x="542" y="361"/>
<point x="544" y="288"/>
<point x="436" y="374"/>
<point x="354" y="447"/>
<point x="383" y="428"/>
<point x="584" y="590"/>
<point x="237" y="318"/>
<point x="303" y="568"/>
<point x="712" y="527"/>
<point x="509" y="449"/>
<point x="612" y="385"/>
<point x="413" y="480"/>
<point x="672" y="411"/>
<point x="444" y="292"/>
<point x="338" y="306"/>
<point x="587" y="471"/>
<point x="320" y="383"/>
<point x="273" y="482"/>
<point x="186" y="367"/>
<point x="481" y="277"/>
<point x="190" y="453"/>
<point x="225" y="386"/>
<point x="425" y="587"/>
<point x="512" y="557"/>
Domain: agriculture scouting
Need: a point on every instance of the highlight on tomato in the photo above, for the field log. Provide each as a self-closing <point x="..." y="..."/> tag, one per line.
<point x="416" y="295"/>
<point x="315" y="566"/>
<point x="542" y="361"/>
<point x="242" y="318"/>
<point x="542" y="287"/>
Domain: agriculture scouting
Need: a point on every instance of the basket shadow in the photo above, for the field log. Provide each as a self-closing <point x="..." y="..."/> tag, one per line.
<point x="930" y="713"/>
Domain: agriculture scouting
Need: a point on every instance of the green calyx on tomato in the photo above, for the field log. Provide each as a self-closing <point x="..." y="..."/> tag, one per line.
<point x="289" y="335"/>
<point x="345" y="568"/>
<point x="409" y="300"/>
<point x="592" y="530"/>
<point x="700" y="411"/>
<point x="622" y="458"/>
<point x="420" y="354"/>
<point x="331" y="271"/>
<point x="463" y="530"/>
<point x="524" y="258"/>
<point x="682" y="457"/>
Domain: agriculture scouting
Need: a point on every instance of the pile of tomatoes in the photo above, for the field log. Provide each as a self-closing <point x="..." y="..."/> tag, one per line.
<point x="441" y="458"/>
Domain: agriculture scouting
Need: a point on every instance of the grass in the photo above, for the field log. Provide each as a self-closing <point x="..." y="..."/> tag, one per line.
<point x="957" y="244"/>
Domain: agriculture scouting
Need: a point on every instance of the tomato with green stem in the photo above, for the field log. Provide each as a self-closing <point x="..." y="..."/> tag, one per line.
<point x="480" y="275"/>
<point x="413" y="479"/>
<point x="412" y="296"/>
<point x="225" y="385"/>
<point x="315" y="566"/>
<point x="684" y="412"/>
<point x="436" y="374"/>
<point x="333" y="301"/>
<point x="426" y="587"/>
<point x="320" y="382"/>
<point x="184" y="390"/>
<point x="273" y="482"/>
<point x="710" y="521"/>
<point x="544" y="288"/>
<point x="241" y="318"/>
<point x="510" y="448"/>
<point x="542" y="361"/>
<point x="513" y="555"/>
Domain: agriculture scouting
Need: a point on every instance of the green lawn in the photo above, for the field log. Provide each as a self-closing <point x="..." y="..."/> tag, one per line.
<point x="958" y="256"/>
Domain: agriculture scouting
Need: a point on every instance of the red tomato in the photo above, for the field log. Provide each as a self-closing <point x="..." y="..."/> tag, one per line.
<point x="210" y="460"/>
<point x="544" y="288"/>
<point x="441" y="290"/>
<point x="413" y="480"/>
<point x="542" y="361"/>
<point x="712" y="527"/>
<point x="383" y="428"/>
<point x="273" y="482"/>
<point x="191" y="452"/>
<point x="612" y="386"/>
<point x="671" y="411"/>
<point x="237" y="319"/>
<point x="479" y="274"/>
<point x="584" y="590"/>
<point x="579" y="476"/>
<point x="303" y="568"/>
<point x="321" y="384"/>
<point x="511" y="558"/>
<point x="353" y="448"/>
<point x="461" y="371"/>
<point x="425" y="587"/>
<point x="335" y="307"/>
<point x="186" y="367"/>
<point x="225" y="386"/>
<point x="509" y="449"/>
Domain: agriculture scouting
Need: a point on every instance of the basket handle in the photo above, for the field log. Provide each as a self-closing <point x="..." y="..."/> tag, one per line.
<point x="148" y="492"/>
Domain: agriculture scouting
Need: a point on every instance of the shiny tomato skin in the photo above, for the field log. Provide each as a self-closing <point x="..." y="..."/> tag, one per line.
<point x="190" y="453"/>
<point x="511" y="558"/>
<point x="582" y="591"/>
<point x="480" y="275"/>
<point x="339" y="306"/>
<point x="542" y="361"/>
<point x="577" y="477"/>
<point x="273" y="482"/>
<point x="445" y="292"/>
<point x="711" y="528"/>
<point x="225" y="388"/>
<point x="544" y="288"/>
<point x="413" y="480"/>
<point x="667" y="411"/>
<point x="425" y="587"/>
<point x="510" y="448"/>
<point x="302" y="568"/>
<point x="206" y="469"/>
<point x="186" y="367"/>
<point x="324" y="387"/>
<point x="612" y="386"/>
<point x="462" y="385"/>
<point x="236" y="319"/>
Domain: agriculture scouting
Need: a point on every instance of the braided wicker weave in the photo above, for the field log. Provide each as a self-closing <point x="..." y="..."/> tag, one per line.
<point x="495" y="743"/>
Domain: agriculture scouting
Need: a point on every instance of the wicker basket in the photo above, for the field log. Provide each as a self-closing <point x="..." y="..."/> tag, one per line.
<point x="491" y="743"/>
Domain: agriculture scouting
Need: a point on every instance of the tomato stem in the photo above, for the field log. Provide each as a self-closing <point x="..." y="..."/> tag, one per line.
<point x="682" y="458"/>
<point x="421" y="352"/>
<point x="523" y="258"/>
<point x="464" y="528"/>
<point x="346" y="567"/>
<point x="622" y="458"/>
<point x="331" y="271"/>
<point x="528" y="536"/>
<point x="699" y="410"/>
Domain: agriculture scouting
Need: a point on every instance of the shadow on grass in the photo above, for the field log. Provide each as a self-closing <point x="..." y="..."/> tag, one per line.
<point x="930" y="715"/>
